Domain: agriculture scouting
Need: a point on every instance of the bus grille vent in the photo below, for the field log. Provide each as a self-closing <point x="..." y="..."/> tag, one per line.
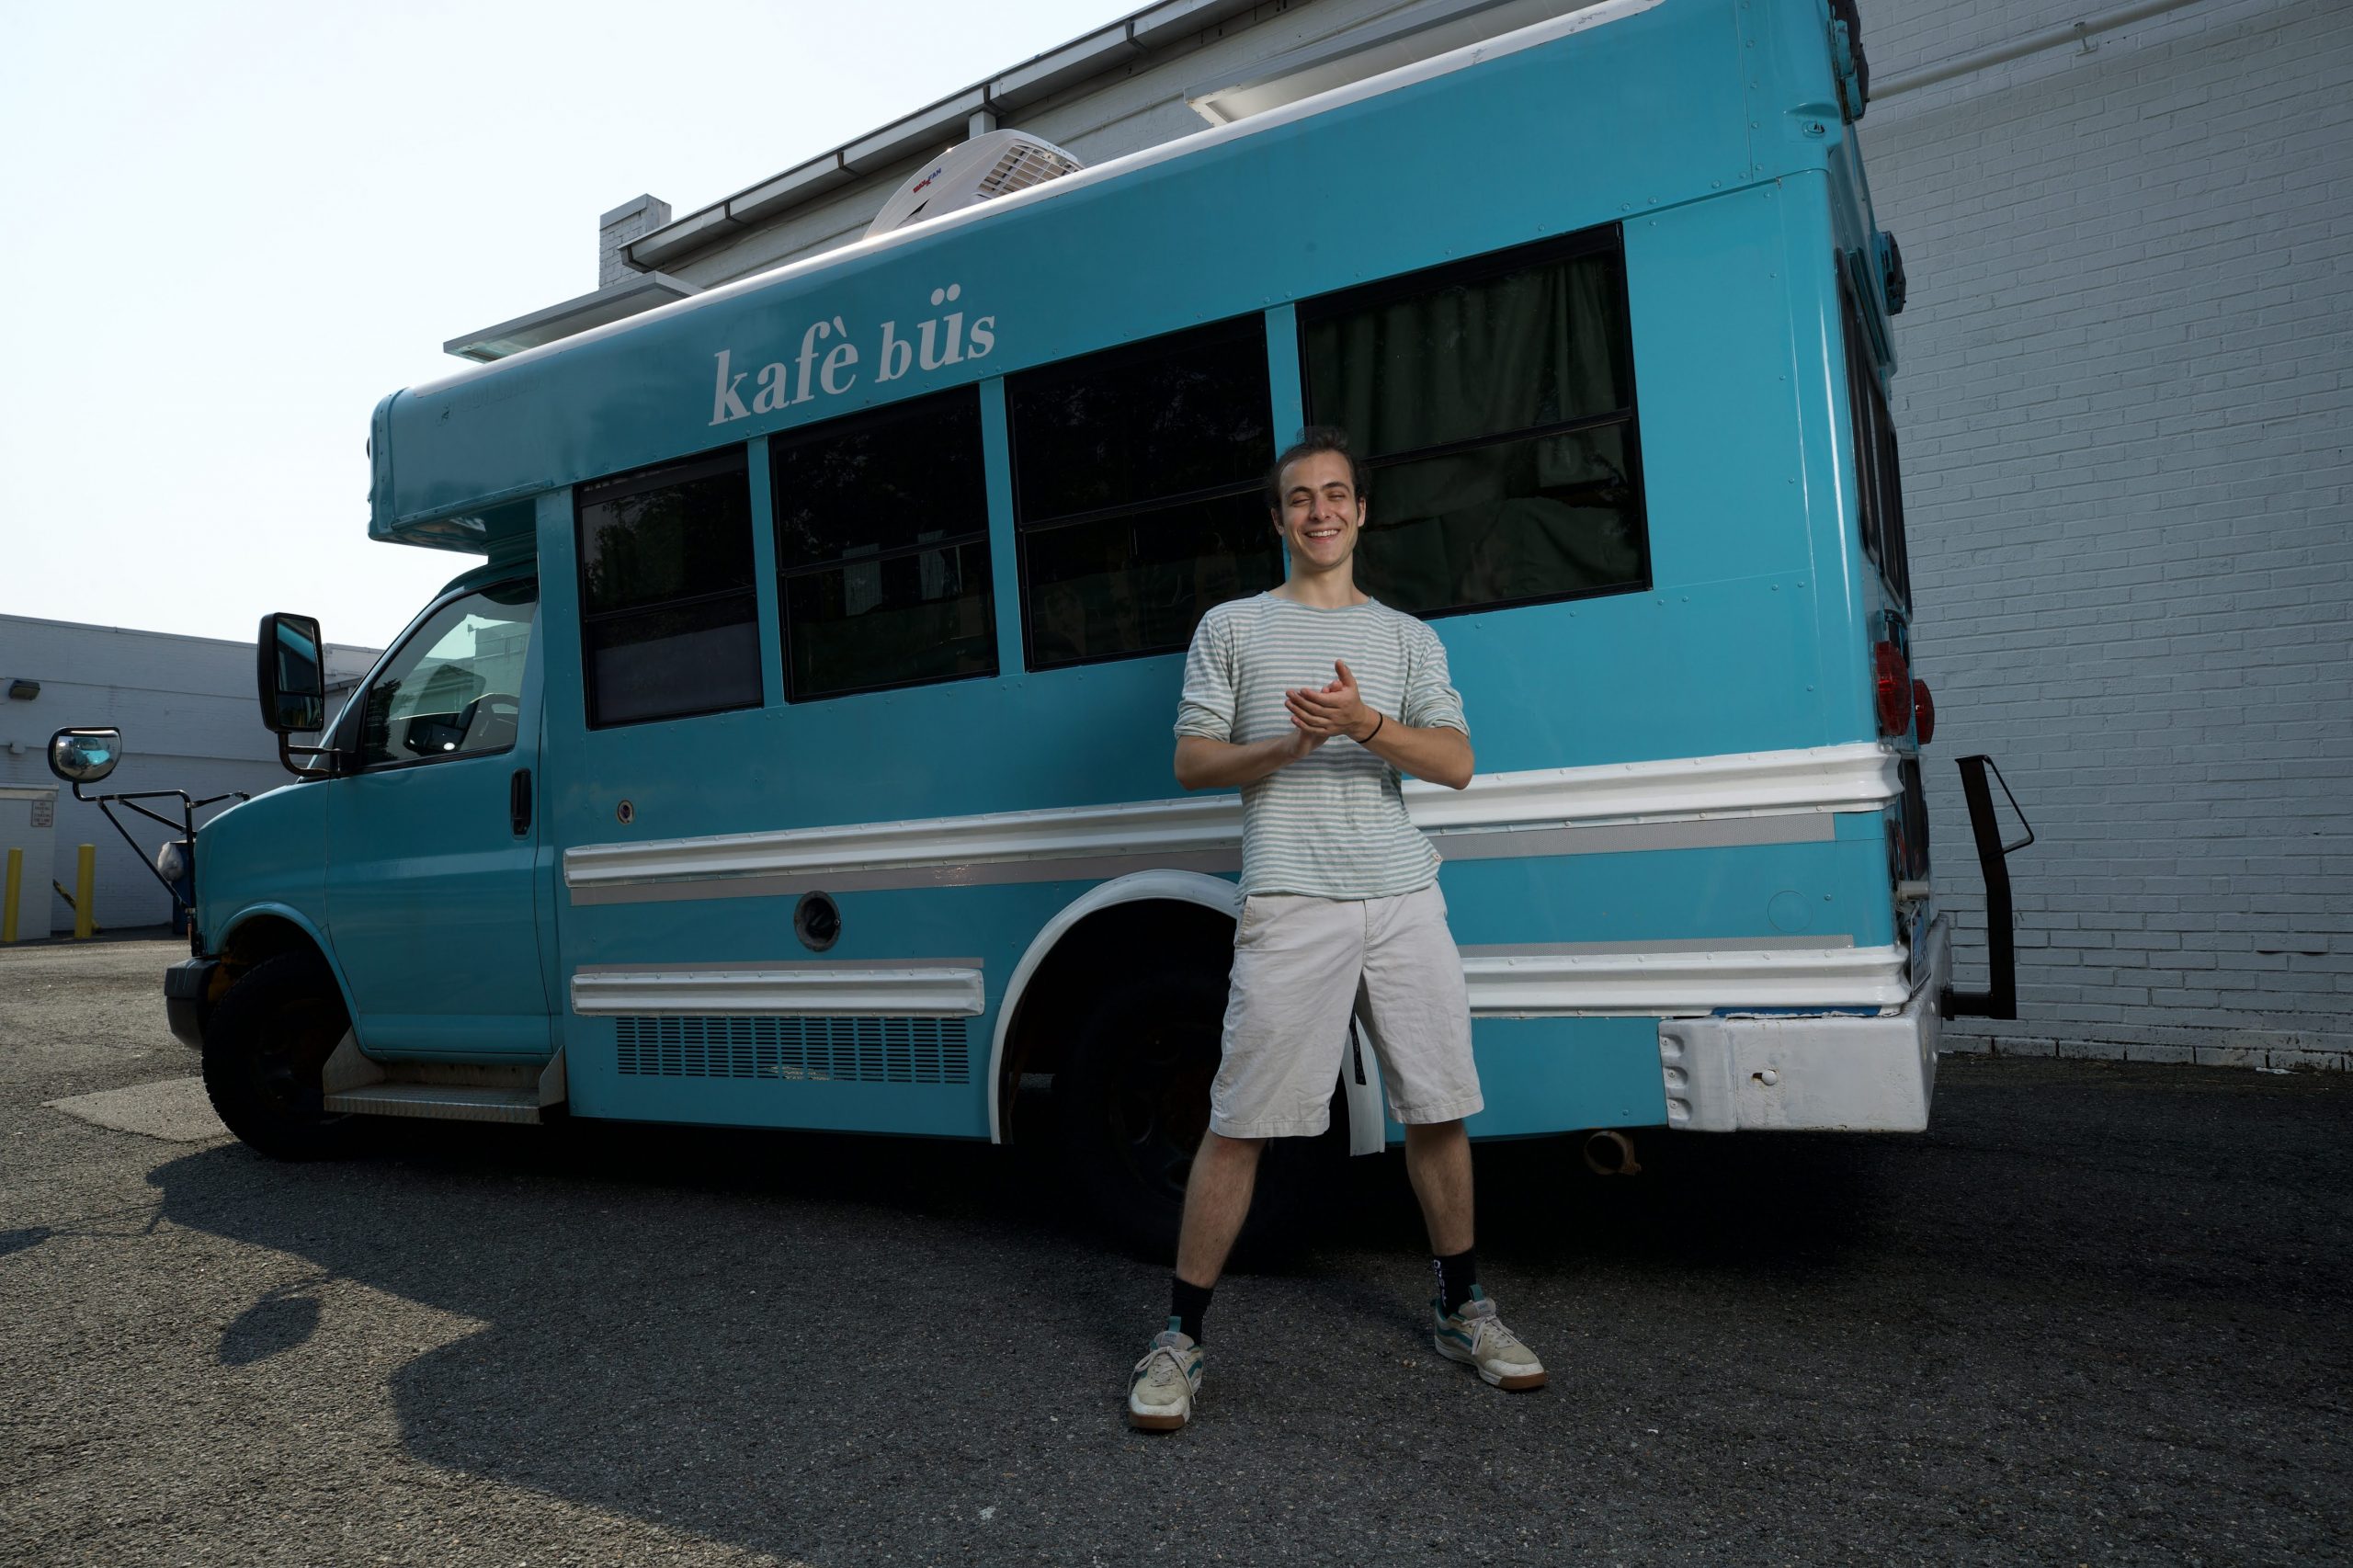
<point x="810" y="1050"/>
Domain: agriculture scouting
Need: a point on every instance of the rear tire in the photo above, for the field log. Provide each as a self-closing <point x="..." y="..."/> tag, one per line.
<point x="263" y="1047"/>
<point x="1132" y="1100"/>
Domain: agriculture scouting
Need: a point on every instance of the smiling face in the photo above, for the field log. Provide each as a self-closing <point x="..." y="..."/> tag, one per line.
<point x="1321" y="513"/>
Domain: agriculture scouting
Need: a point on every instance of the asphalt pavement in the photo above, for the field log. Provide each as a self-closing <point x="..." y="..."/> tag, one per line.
<point x="2098" y="1313"/>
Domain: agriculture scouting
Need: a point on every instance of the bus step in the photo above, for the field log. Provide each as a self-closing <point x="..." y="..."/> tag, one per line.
<point x="447" y="1091"/>
<point x="447" y="1102"/>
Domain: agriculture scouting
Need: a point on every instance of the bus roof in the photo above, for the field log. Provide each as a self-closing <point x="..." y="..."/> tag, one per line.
<point x="1593" y="117"/>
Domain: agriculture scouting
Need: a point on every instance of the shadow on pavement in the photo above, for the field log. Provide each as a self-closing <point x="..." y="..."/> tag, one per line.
<point x="804" y="1344"/>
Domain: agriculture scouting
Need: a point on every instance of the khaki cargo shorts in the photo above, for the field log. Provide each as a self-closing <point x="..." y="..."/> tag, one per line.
<point x="1303" y="967"/>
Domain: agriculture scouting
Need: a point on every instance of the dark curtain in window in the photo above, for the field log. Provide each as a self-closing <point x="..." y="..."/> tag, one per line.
<point x="1456" y="395"/>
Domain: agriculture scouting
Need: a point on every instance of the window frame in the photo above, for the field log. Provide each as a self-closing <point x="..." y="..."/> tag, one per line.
<point x="851" y="423"/>
<point x="1879" y="480"/>
<point x="1249" y="324"/>
<point x="1605" y="239"/>
<point x="637" y="482"/>
<point x="351" y="723"/>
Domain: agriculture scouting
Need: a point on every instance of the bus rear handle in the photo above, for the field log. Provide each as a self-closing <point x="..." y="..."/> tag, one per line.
<point x="2000" y="998"/>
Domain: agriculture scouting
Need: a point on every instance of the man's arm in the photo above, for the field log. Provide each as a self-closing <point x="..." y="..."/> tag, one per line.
<point x="1205" y="764"/>
<point x="1438" y="754"/>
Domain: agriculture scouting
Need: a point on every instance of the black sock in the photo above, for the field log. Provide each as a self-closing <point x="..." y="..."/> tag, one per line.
<point x="1186" y="1305"/>
<point x="1458" y="1277"/>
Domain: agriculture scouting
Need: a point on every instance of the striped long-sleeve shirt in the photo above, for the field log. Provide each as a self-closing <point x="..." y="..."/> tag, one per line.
<point x="1332" y="824"/>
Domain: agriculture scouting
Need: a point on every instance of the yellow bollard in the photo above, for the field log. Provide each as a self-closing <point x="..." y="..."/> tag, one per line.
<point x="8" y="897"/>
<point x="85" y="877"/>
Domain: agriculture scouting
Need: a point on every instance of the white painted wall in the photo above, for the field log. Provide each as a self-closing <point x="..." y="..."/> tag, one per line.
<point x="189" y="718"/>
<point x="2125" y="400"/>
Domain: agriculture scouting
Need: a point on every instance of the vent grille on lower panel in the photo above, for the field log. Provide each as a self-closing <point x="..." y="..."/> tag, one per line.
<point x="837" y="1051"/>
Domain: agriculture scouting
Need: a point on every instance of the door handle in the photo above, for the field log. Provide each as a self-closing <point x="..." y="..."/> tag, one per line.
<point x="518" y="800"/>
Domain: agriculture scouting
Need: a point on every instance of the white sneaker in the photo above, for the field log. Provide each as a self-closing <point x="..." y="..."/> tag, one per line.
<point x="1476" y="1338"/>
<point x="1166" y="1382"/>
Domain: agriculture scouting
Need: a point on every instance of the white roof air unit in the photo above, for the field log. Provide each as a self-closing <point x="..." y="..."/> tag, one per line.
<point x="997" y="163"/>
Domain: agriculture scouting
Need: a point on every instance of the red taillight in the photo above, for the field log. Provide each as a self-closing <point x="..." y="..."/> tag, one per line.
<point x="1894" y="689"/>
<point x="1923" y="711"/>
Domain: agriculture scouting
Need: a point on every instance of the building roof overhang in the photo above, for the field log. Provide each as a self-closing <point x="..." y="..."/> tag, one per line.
<point x="614" y="302"/>
<point x="1121" y="43"/>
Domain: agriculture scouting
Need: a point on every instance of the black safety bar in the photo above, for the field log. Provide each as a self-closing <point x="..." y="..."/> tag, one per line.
<point x="186" y="824"/>
<point x="2000" y="998"/>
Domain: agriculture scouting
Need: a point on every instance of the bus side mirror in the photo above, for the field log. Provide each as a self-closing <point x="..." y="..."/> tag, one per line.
<point x="291" y="673"/>
<point x="84" y="757"/>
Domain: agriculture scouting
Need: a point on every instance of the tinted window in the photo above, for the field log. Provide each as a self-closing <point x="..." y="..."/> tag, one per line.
<point x="1494" y="403"/>
<point x="1136" y="480"/>
<point x="1879" y="489"/>
<point x="669" y="620"/>
<point x="882" y="545"/>
<point x="453" y="688"/>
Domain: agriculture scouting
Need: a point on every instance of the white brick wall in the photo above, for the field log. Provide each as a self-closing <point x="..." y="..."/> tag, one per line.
<point x="2126" y="399"/>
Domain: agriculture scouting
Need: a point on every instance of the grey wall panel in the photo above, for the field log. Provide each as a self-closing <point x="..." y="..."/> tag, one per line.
<point x="189" y="721"/>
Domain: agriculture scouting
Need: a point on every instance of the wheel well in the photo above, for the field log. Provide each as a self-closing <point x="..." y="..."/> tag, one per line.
<point x="1091" y="957"/>
<point x="256" y="940"/>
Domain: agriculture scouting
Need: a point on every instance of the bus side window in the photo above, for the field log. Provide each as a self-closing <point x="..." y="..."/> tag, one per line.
<point x="1494" y="402"/>
<point x="1878" y="488"/>
<point x="882" y="549"/>
<point x="669" y="620"/>
<point x="1136" y="476"/>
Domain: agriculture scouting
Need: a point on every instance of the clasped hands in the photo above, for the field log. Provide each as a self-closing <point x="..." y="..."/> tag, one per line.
<point x="1337" y="710"/>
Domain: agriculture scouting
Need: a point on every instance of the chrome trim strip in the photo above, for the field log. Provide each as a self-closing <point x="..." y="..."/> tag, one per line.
<point x="1719" y="833"/>
<point x="1537" y="811"/>
<point x="914" y="989"/>
<point x="1532" y="982"/>
<point x="1663" y="946"/>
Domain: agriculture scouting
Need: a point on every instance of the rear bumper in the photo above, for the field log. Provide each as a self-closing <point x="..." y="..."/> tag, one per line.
<point x="1792" y="1073"/>
<point x="187" y="984"/>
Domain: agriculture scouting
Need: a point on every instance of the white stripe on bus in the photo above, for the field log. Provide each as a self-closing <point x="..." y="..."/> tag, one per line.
<point x="915" y="990"/>
<point x="1545" y="808"/>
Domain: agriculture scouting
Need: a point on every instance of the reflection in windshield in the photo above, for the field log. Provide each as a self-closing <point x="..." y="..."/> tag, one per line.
<point x="453" y="688"/>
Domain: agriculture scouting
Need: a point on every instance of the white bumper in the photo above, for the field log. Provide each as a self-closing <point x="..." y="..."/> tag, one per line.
<point x="1858" y="1074"/>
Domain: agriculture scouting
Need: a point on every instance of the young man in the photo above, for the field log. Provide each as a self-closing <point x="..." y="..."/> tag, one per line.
<point x="1314" y="699"/>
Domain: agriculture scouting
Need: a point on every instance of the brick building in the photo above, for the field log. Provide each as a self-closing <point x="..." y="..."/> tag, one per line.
<point x="2128" y="375"/>
<point x="2126" y="391"/>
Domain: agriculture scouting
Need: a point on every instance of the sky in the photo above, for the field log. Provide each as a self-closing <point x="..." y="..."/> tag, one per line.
<point x="227" y="230"/>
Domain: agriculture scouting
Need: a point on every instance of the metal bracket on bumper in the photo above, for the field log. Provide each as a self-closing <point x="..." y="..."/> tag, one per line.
<point x="187" y="984"/>
<point x="1862" y="1074"/>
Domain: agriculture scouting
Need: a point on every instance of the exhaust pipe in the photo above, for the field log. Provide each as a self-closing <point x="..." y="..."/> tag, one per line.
<point x="1611" y="1153"/>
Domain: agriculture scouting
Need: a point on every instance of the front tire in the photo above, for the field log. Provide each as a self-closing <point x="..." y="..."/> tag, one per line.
<point x="264" y="1048"/>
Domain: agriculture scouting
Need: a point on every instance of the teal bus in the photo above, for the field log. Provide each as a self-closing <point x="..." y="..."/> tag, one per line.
<point x="794" y="750"/>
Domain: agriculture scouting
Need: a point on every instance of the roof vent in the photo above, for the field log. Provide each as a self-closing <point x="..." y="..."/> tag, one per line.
<point x="997" y="163"/>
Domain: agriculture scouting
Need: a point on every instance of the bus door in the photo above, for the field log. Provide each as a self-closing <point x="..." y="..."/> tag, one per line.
<point x="432" y="897"/>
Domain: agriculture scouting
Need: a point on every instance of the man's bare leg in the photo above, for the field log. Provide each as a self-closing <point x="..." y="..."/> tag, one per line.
<point x="1437" y="1161"/>
<point x="1217" y="1199"/>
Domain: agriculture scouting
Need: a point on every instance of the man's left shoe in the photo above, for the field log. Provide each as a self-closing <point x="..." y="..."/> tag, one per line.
<point x="1477" y="1337"/>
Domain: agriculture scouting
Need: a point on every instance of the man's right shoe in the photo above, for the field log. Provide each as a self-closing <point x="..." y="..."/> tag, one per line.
<point x="1166" y="1382"/>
